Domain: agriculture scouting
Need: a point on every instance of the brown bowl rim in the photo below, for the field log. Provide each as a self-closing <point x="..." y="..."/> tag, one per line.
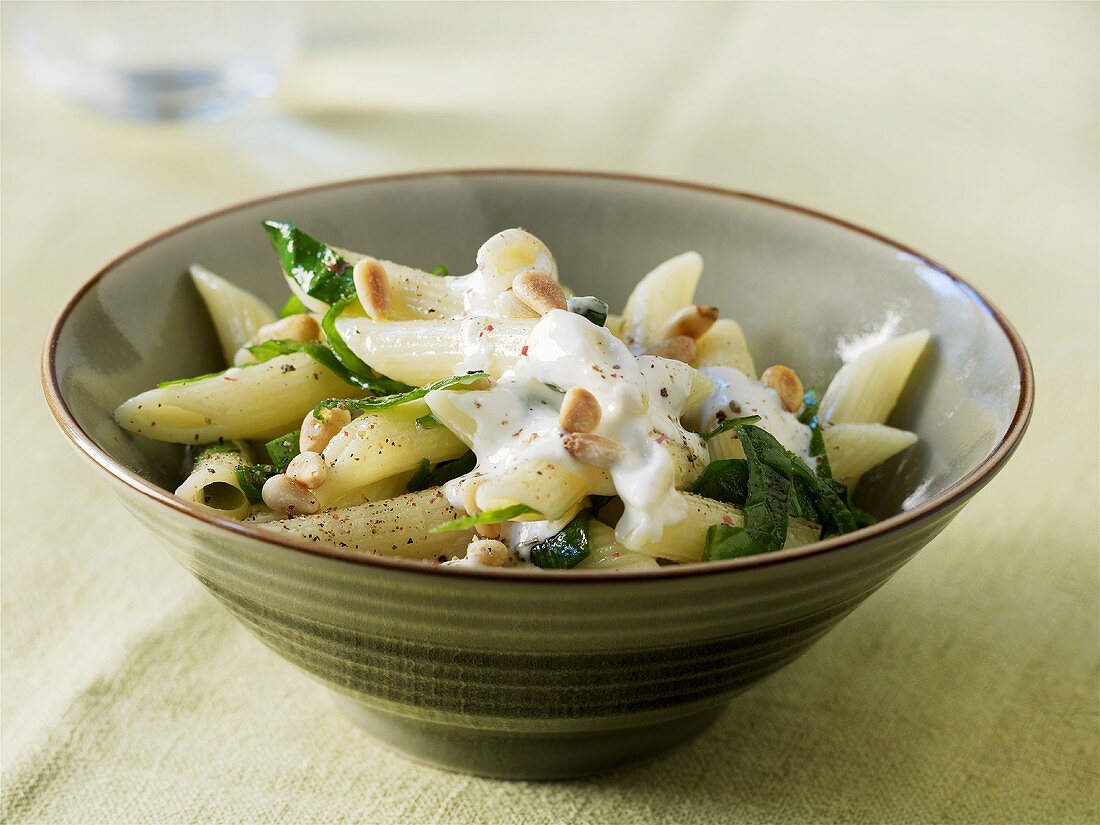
<point x="956" y="493"/>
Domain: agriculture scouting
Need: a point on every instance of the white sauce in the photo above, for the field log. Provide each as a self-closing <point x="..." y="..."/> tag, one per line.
<point x="736" y="395"/>
<point x="641" y="400"/>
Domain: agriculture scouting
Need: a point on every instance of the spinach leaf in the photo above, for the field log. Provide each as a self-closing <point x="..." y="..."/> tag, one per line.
<point x="441" y="271"/>
<point x="729" y="424"/>
<point x="835" y="515"/>
<point x="251" y="477"/>
<point x="811" y="403"/>
<point x="352" y="362"/>
<point x="327" y="358"/>
<point x="319" y="270"/>
<point x="402" y="397"/>
<point x="588" y="306"/>
<point x="215" y="448"/>
<point x="766" y="502"/>
<point x="281" y="450"/>
<point x="175" y="382"/>
<point x="486" y="517"/>
<point x="724" y="480"/>
<point x="293" y="306"/>
<point x="567" y="548"/>
<point x="427" y="422"/>
<point x="426" y="477"/>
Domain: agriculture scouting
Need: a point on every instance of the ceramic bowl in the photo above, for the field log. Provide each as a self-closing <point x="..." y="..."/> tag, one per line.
<point x="501" y="672"/>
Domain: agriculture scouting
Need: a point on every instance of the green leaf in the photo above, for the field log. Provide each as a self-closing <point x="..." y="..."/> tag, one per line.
<point x="393" y="400"/>
<point x="766" y="502"/>
<point x="251" y="477"/>
<point x="293" y="306"/>
<point x="811" y="403"/>
<point x="486" y="517"/>
<point x="588" y="306"/>
<point x="724" y="480"/>
<point x="175" y="382"/>
<point x="424" y="477"/>
<point x="326" y="358"/>
<point x="281" y="450"/>
<point x="319" y="270"/>
<point x="352" y="362"/>
<point x="441" y="271"/>
<point x="215" y="448"/>
<point x="428" y="422"/>
<point x="566" y="549"/>
<point x="729" y="425"/>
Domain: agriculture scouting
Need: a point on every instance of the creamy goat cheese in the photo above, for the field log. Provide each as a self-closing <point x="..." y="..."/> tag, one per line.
<point x="736" y="395"/>
<point x="641" y="399"/>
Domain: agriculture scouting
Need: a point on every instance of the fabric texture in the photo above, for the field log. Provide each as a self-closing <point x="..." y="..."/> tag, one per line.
<point x="966" y="690"/>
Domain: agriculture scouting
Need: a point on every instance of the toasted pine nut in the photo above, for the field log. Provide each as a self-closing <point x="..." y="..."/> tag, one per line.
<point x="488" y="552"/>
<point x="677" y="348"/>
<point x="318" y="432"/>
<point x="308" y="469"/>
<point x="299" y="327"/>
<point x="785" y="382"/>
<point x="488" y="531"/>
<point x="580" y="411"/>
<point x="282" y="494"/>
<point x="509" y="306"/>
<point x="539" y="291"/>
<point x="693" y="321"/>
<point x="593" y="450"/>
<point x="372" y="287"/>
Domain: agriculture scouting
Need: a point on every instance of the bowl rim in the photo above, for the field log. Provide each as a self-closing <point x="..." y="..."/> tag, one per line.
<point x="956" y="493"/>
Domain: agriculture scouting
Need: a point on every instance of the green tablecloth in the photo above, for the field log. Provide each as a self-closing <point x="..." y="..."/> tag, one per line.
<point x="966" y="690"/>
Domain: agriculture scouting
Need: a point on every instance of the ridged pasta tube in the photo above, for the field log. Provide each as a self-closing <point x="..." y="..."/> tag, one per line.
<point x="213" y="484"/>
<point x="235" y="312"/>
<point x="257" y="402"/>
<point x="853" y="449"/>
<point x="724" y="345"/>
<point x="660" y="294"/>
<point x="866" y="389"/>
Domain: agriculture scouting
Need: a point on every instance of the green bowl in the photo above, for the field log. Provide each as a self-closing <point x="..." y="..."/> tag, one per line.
<point x="504" y="672"/>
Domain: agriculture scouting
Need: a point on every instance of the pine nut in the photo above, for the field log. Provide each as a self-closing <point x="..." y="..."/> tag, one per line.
<point x="488" y="531"/>
<point x="284" y="495"/>
<point x="593" y="450"/>
<point x="509" y="306"/>
<point x="300" y="327"/>
<point x="372" y="287"/>
<point x="693" y="321"/>
<point x="488" y="552"/>
<point x="308" y="469"/>
<point x="539" y="291"/>
<point x="678" y="348"/>
<point x="786" y="383"/>
<point x="318" y="432"/>
<point x="580" y="411"/>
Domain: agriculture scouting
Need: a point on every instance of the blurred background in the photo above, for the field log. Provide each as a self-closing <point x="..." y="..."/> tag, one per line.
<point x="968" y="131"/>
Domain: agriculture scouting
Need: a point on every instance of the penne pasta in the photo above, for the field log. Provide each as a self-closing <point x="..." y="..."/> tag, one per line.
<point x="420" y="352"/>
<point x="723" y="345"/>
<point x="379" y="445"/>
<point x="606" y="553"/>
<point x="866" y="389"/>
<point x="399" y="526"/>
<point x="257" y="402"/>
<point x="235" y="312"/>
<point x="668" y="288"/>
<point x="213" y="484"/>
<point x="853" y="449"/>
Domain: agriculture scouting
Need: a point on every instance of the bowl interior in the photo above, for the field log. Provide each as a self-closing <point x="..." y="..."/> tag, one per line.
<point x="805" y="290"/>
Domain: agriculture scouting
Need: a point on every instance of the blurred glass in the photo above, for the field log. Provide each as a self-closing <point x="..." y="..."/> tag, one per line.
<point x="151" y="60"/>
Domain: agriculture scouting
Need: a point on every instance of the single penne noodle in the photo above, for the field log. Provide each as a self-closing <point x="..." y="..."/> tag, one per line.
<point x="257" y="402"/>
<point x="724" y="345"/>
<point x="853" y="449"/>
<point x="415" y="294"/>
<point x="866" y="389"/>
<point x="213" y="484"/>
<point x="235" y="312"/>
<point x="394" y="527"/>
<point x="606" y="553"/>
<point x="379" y="445"/>
<point x="660" y="294"/>
<point x="547" y="487"/>
<point x="420" y="352"/>
<point x="685" y="540"/>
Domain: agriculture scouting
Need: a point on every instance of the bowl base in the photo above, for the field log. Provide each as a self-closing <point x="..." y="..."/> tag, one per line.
<point x="505" y="755"/>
